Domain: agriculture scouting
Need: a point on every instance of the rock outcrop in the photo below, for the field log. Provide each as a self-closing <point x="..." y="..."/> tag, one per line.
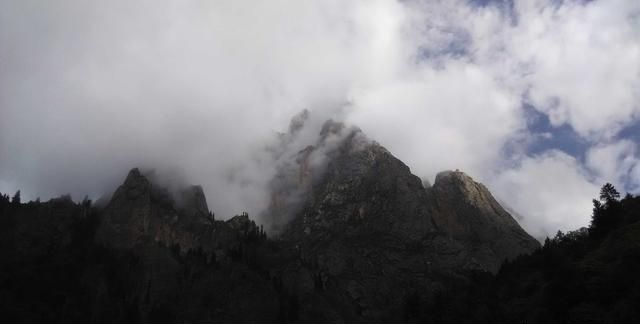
<point x="356" y="238"/>
<point x="364" y="190"/>
<point x="466" y="211"/>
<point x="354" y="227"/>
<point x="140" y="212"/>
<point x="370" y="232"/>
<point x="361" y="190"/>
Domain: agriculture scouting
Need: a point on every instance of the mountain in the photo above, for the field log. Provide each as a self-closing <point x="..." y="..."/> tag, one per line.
<point x="360" y="191"/>
<point x="584" y="276"/>
<point x="466" y="211"/>
<point x="140" y="211"/>
<point x="355" y="237"/>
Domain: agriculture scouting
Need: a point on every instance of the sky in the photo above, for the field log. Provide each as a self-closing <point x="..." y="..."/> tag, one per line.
<point x="538" y="99"/>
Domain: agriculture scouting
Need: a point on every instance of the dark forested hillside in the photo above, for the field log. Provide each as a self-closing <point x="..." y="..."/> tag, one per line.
<point x="53" y="270"/>
<point x="591" y="275"/>
<point x="358" y="239"/>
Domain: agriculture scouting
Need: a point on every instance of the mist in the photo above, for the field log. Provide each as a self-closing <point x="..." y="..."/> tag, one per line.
<point x="200" y="90"/>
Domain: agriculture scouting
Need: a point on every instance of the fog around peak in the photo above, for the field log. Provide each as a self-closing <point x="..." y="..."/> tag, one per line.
<point x="90" y="89"/>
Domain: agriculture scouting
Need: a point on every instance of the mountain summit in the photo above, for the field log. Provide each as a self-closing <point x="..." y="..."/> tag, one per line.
<point x="141" y="211"/>
<point x="352" y="226"/>
<point x="356" y="189"/>
<point x="466" y="211"/>
<point x="355" y="238"/>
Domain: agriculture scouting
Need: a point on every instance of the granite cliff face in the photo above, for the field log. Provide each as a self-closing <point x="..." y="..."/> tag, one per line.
<point x="352" y="227"/>
<point x="178" y="257"/>
<point x="355" y="237"/>
<point x="364" y="193"/>
<point x="466" y="211"/>
<point x="344" y="179"/>
<point x="369" y="232"/>
<point x="140" y="212"/>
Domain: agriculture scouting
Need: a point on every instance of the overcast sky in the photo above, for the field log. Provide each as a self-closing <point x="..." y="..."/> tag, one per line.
<point x="538" y="99"/>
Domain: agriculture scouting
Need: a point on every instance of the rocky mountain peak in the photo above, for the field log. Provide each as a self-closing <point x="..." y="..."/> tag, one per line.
<point x="456" y="186"/>
<point x="363" y="189"/>
<point x="141" y="211"/>
<point x="194" y="204"/>
<point x="360" y="189"/>
<point x="467" y="211"/>
<point x="298" y="121"/>
<point x="449" y="175"/>
<point x="457" y="179"/>
<point x="241" y="222"/>
<point x="331" y="127"/>
<point x="134" y="186"/>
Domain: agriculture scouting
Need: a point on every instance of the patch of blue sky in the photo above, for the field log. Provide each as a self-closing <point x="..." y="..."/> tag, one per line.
<point x="507" y="7"/>
<point x="548" y="137"/>
<point x="631" y="132"/>
<point x="457" y="46"/>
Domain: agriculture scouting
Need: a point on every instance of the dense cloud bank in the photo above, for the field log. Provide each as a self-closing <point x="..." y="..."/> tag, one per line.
<point x="89" y="89"/>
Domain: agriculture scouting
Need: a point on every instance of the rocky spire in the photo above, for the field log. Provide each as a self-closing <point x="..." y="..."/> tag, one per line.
<point x="364" y="190"/>
<point x="140" y="211"/>
<point x="467" y="211"/>
<point x="193" y="203"/>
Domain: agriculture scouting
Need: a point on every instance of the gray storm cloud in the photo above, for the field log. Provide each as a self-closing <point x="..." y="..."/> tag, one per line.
<point x="90" y="89"/>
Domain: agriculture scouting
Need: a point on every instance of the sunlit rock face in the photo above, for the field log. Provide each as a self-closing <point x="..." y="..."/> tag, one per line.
<point x="466" y="211"/>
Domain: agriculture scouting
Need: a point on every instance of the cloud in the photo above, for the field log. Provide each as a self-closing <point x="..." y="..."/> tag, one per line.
<point x="89" y="89"/>
<point x="584" y="62"/>
<point x="439" y="119"/>
<point x="616" y="162"/>
<point x="552" y="188"/>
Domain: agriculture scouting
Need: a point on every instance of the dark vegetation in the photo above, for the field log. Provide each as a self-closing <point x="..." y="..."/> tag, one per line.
<point x="53" y="271"/>
<point x="591" y="275"/>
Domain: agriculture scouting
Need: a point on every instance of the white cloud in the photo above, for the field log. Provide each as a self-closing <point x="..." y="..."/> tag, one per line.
<point x="616" y="163"/>
<point x="89" y="89"/>
<point x="553" y="189"/>
<point x="436" y="119"/>
<point x="584" y="61"/>
<point x="576" y="61"/>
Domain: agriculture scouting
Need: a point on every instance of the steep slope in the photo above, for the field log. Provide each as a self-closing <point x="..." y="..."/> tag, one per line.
<point x="585" y="276"/>
<point x="373" y="236"/>
<point x="466" y="211"/>
<point x="150" y="256"/>
<point x="363" y="189"/>
<point x="141" y="212"/>
<point x="357" y="239"/>
<point x="360" y="190"/>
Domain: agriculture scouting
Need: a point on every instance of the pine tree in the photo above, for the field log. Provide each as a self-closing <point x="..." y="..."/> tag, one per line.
<point x="605" y="216"/>
<point x="608" y="194"/>
<point x="16" y="198"/>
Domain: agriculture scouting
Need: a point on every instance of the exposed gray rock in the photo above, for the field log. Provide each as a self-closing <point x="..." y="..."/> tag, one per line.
<point x="141" y="213"/>
<point x="466" y="211"/>
<point x="193" y="205"/>
<point x="355" y="228"/>
<point x="298" y="121"/>
<point x="364" y="193"/>
<point x="371" y="231"/>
